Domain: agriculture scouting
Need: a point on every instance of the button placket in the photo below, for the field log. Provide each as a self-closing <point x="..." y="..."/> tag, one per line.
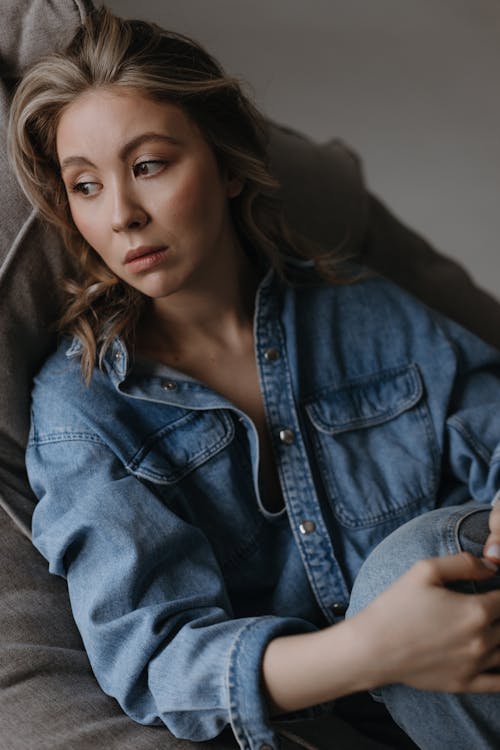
<point x="305" y="515"/>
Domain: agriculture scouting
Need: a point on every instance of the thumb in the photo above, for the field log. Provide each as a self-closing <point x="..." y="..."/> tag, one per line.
<point x="460" y="567"/>
<point x="492" y="547"/>
<point x="492" y="544"/>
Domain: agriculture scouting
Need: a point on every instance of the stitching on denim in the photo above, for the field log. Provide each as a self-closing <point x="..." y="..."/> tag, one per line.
<point x="152" y="439"/>
<point x="170" y="477"/>
<point x="232" y="687"/>
<point x="410" y="372"/>
<point x="62" y="437"/>
<point x="232" y="682"/>
<point x="426" y="418"/>
<point x="347" y="519"/>
<point x="456" y="424"/>
<point x="453" y="526"/>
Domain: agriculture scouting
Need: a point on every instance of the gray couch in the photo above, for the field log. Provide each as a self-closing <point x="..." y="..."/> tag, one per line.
<point x="49" y="699"/>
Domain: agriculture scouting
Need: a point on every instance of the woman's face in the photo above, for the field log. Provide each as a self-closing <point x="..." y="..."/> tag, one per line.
<point x="145" y="190"/>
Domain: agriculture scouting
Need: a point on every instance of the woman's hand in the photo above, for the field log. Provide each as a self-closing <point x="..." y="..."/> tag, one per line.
<point x="430" y="637"/>
<point x="417" y="632"/>
<point x="492" y="545"/>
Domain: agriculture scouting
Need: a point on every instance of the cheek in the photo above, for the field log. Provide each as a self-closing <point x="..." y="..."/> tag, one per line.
<point x="87" y="222"/>
<point x="200" y="199"/>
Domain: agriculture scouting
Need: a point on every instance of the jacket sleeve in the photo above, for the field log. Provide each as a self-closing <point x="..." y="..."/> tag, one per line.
<point x="149" y="598"/>
<point x="471" y="435"/>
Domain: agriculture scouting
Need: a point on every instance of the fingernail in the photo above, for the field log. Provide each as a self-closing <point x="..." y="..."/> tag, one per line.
<point x="493" y="551"/>
<point x="489" y="564"/>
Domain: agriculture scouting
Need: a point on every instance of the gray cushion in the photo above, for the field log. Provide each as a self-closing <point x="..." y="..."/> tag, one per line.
<point x="30" y="256"/>
<point x="31" y="28"/>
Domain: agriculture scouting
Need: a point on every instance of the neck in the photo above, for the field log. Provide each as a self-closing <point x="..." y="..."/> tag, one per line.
<point x="214" y="313"/>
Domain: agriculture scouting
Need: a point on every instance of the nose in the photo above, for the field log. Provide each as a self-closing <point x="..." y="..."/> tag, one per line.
<point x="128" y="213"/>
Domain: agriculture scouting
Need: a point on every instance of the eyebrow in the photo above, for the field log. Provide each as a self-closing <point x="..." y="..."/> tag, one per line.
<point x="78" y="161"/>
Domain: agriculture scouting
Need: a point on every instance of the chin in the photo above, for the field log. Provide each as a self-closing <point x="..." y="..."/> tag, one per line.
<point x="158" y="290"/>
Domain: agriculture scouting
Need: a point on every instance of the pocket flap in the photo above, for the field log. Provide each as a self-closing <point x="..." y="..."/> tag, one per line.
<point x="181" y="446"/>
<point x="368" y="401"/>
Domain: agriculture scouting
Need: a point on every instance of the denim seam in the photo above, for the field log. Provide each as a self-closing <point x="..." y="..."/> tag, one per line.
<point x="433" y="444"/>
<point x="364" y="422"/>
<point x="134" y="465"/>
<point x="453" y="528"/>
<point x="47" y="439"/>
<point x="233" y="684"/>
<point x="456" y="424"/>
<point x="379" y="376"/>
<point x="338" y="509"/>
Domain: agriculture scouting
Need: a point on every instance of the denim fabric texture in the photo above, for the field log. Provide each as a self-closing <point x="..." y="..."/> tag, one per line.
<point x="379" y="410"/>
<point x="433" y="720"/>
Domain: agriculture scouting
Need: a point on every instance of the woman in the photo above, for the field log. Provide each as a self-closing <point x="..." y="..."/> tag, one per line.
<point x="225" y="434"/>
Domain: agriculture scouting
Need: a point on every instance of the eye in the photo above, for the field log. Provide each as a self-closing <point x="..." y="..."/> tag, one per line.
<point x="149" y="167"/>
<point x="86" y="189"/>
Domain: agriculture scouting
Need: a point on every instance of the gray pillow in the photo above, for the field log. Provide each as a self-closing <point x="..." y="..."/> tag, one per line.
<point x="31" y="259"/>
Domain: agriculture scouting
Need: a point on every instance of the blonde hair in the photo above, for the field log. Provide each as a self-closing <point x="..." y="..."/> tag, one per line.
<point x="109" y="51"/>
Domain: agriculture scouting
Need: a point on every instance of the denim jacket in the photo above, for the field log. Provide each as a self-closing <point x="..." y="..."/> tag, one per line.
<point x="149" y="505"/>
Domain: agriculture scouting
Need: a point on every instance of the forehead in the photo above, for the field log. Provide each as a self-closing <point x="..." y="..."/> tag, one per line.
<point x="103" y="119"/>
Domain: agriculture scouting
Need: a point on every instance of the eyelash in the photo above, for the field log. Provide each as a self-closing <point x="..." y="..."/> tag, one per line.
<point x="78" y="187"/>
<point x="160" y="162"/>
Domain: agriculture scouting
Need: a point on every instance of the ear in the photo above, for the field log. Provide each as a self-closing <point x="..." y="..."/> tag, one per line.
<point x="234" y="186"/>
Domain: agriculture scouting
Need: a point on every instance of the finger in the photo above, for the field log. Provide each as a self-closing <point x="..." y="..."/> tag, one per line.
<point x="485" y="682"/>
<point x="491" y="662"/>
<point x="494" y="519"/>
<point x="491" y="550"/>
<point x="460" y="567"/>
<point x="492" y="544"/>
<point x="490" y="600"/>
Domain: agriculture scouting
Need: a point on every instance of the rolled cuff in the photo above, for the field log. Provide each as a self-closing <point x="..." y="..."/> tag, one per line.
<point x="248" y="710"/>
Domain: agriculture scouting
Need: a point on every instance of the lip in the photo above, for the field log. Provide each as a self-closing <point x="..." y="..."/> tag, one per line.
<point x="145" y="258"/>
<point x="140" y="252"/>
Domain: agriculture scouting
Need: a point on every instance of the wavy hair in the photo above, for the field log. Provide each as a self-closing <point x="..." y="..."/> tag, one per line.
<point x="108" y="51"/>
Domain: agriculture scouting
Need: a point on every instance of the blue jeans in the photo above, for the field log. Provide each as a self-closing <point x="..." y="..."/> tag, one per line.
<point x="434" y="720"/>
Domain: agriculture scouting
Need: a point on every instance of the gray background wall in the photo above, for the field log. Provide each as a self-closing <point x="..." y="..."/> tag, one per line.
<point x="412" y="85"/>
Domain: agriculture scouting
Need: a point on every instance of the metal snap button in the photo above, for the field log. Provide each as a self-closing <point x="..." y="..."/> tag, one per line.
<point x="118" y="356"/>
<point x="271" y="354"/>
<point x="169" y="385"/>
<point x="338" y="609"/>
<point x="287" y="436"/>
<point x="307" y="527"/>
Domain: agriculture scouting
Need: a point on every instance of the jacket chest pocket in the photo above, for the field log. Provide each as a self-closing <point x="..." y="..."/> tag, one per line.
<point x="177" y="449"/>
<point x="195" y="463"/>
<point x="376" y="447"/>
